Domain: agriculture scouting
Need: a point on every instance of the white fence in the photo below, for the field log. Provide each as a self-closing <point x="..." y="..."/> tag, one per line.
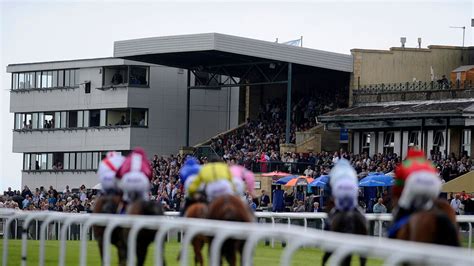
<point x="393" y="252"/>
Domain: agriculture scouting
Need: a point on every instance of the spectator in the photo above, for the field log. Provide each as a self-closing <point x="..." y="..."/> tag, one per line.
<point x="469" y="205"/>
<point x="264" y="199"/>
<point x="117" y="78"/>
<point x="456" y="204"/>
<point x="379" y="207"/>
<point x="316" y="207"/>
<point x="299" y="207"/>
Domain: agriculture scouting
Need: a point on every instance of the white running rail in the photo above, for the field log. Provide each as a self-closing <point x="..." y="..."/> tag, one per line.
<point x="393" y="252"/>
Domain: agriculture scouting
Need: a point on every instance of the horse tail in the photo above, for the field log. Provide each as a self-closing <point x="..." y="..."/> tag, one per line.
<point x="447" y="231"/>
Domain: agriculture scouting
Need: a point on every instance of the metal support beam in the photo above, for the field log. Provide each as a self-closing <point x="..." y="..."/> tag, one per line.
<point x="288" y="105"/>
<point x="188" y="106"/>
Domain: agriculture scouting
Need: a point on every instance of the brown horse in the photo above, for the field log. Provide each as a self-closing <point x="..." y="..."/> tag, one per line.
<point x="111" y="204"/>
<point x="437" y="225"/>
<point x="197" y="210"/>
<point x="230" y="208"/>
<point x="352" y="222"/>
<point x="145" y="236"/>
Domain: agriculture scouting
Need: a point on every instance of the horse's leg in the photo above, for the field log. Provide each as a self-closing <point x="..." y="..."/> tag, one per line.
<point x="363" y="260"/>
<point x="326" y="257"/>
<point x="347" y="260"/>
<point x="198" y="244"/>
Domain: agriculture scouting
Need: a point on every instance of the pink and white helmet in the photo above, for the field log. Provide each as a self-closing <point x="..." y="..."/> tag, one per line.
<point x="108" y="169"/>
<point x="243" y="178"/>
<point x="135" y="175"/>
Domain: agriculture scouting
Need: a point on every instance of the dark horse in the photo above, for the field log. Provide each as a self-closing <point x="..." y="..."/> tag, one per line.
<point x="145" y="236"/>
<point x="352" y="222"/>
<point x="230" y="208"/>
<point x="197" y="210"/>
<point x="437" y="225"/>
<point x="111" y="204"/>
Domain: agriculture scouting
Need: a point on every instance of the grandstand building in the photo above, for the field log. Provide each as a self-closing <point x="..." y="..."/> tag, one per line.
<point x="407" y="97"/>
<point x="68" y="114"/>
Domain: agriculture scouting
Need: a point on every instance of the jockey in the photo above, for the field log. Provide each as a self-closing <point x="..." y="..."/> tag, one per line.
<point x="189" y="171"/>
<point x="135" y="175"/>
<point x="107" y="172"/>
<point x="417" y="185"/>
<point x="344" y="186"/>
<point x="213" y="180"/>
<point x="244" y="180"/>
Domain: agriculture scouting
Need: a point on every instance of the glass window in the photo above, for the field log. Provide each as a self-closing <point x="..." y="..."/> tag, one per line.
<point x="38" y="79"/>
<point x="86" y="118"/>
<point x="17" y="121"/>
<point x="66" y="161"/>
<point x="118" y="117"/>
<point x="63" y="119"/>
<point x="140" y="117"/>
<point x="61" y="78"/>
<point x="49" y="120"/>
<point x="34" y="162"/>
<point x="76" y="77"/>
<point x="55" y="79"/>
<point x="21" y="80"/>
<point x="413" y="139"/>
<point x="117" y="75"/>
<point x="44" y="79"/>
<point x="80" y="118"/>
<point x="28" y="121"/>
<point x="66" y="78"/>
<point x="72" y="77"/>
<point x="40" y="120"/>
<point x="57" y="120"/>
<point x="95" y="160"/>
<point x="23" y="121"/>
<point x="72" y="119"/>
<point x="72" y="160"/>
<point x="50" y="161"/>
<point x="103" y="117"/>
<point x="138" y="75"/>
<point x="83" y="161"/>
<point x="26" y="161"/>
<point x="78" y="161"/>
<point x="466" y="142"/>
<point x="27" y="80"/>
<point x="44" y="161"/>
<point x="35" y="121"/>
<point x="14" y="81"/>
<point x="89" y="160"/>
<point x="94" y="118"/>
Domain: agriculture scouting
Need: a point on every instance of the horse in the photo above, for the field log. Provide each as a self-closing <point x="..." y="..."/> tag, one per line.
<point x="111" y="204"/>
<point x="230" y="208"/>
<point x="197" y="210"/>
<point x="351" y="222"/>
<point x="436" y="225"/>
<point x="145" y="236"/>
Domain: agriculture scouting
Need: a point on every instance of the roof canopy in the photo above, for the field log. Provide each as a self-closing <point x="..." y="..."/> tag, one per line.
<point x="462" y="183"/>
<point x="402" y="114"/>
<point x="201" y="51"/>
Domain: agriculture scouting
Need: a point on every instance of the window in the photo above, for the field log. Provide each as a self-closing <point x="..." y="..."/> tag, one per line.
<point x="80" y="118"/>
<point x="138" y="76"/>
<point x="57" y="120"/>
<point x="365" y="143"/>
<point x="95" y="160"/>
<point x="66" y="161"/>
<point x="72" y="119"/>
<point x="55" y="79"/>
<point x="72" y="160"/>
<point x="466" y="142"/>
<point x="26" y="161"/>
<point x="94" y="118"/>
<point x="118" y="117"/>
<point x="140" y="117"/>
<point x="61" y="78"/>
<point x="413" y="140"/>
<point x="117" y="75"/>
<point x="86" y="118"/>
<point x="14" y="81"/>
<point x="18" y="122"/>
<point x="103" y="117"/>
<point x="388" y="142"/>
<point x="48" y="120"/>
<point x="438" y="140"/>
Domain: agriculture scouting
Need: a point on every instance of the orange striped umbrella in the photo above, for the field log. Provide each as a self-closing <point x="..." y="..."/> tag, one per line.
<point x="299" y="181"/>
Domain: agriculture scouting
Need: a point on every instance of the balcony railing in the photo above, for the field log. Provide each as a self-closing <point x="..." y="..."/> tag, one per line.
<point x="418" y="86"/>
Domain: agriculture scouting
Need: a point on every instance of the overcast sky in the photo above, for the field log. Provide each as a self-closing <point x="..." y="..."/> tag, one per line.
<point x="62" y="30"/>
